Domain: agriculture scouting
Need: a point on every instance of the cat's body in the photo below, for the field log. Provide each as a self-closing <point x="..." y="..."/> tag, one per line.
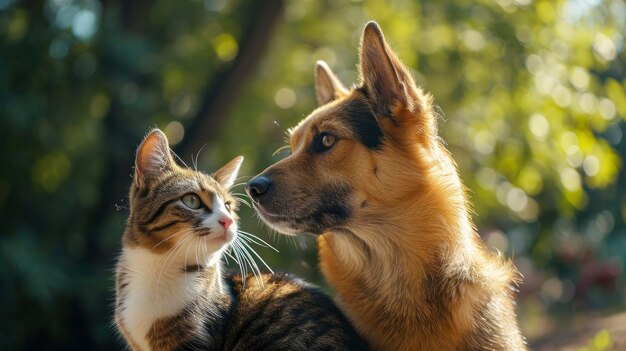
<point x="171" y="293"/>
<point x="162" y="310"/>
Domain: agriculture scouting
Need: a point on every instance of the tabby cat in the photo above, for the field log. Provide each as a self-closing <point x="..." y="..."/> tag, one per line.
<point x="171" y="293"/>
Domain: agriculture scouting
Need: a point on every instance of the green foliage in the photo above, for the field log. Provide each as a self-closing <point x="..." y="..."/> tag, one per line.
<point x="532" y="98"/>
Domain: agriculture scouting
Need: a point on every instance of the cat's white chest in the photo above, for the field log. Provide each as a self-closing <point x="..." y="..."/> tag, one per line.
<point x="155" y="290"/>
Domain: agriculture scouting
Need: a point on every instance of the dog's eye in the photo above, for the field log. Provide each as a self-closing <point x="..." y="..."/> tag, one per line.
<point x="327" y="141"/>
<point x="323" y="142"/>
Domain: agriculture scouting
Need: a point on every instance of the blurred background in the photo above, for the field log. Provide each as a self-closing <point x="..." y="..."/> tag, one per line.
<point x="532" y="103"/>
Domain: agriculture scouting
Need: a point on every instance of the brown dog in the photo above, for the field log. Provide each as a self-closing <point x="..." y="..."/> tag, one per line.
<point x="369" y="174"/>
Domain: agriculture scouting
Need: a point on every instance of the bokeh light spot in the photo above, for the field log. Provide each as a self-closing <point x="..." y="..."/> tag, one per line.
<point x="604" y="47"/>
<point x="497" y="240"/>
<point x="50" y="170"/>
<point x="570" y="179"/>
<point x="325" y="54"/>
<point x="574" y="155"/>
<point x="552" y="289"/>
<point x="285" y="98"/>
<point x="516" y="199"/>
<point x="486" y="177"/>
<point x="580" y="78"/>
<point x="175" y="132"/>
<point x="591" y="165"/>
<point x="607" y="109"/>
<point x="84" y="24"/>
<point x="59" y="47"/>
<point x="588" y="103"/>
<point x="473" y="40"/>
<point x="484" y="142"/>
<point x="539" y="126"/>
<point x="562" y="96"/>
<point x="99" y="106"/>
<point x="226" y="47"/>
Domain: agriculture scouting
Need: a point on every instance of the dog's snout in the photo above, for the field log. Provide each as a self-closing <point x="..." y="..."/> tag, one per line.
<point x="258" y="186"/>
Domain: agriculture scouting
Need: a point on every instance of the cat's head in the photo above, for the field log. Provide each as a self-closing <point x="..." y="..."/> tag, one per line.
<point x="177" y="210"/>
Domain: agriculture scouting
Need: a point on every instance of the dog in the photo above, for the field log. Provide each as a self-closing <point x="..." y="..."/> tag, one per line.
<point x="369" y="175"/>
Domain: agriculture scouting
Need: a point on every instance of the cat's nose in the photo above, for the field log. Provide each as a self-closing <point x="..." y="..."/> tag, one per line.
<point x="258" y="186"/>
<point x="225" y="222"/>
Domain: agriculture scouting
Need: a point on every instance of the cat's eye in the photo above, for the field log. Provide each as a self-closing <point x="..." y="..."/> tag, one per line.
<point x="228" y="206"/>
<point x="192" y="201"/>
<point x="327" y="140"/>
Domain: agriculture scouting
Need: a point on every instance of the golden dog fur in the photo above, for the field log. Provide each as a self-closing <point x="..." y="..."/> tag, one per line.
<point x="396" y="239"/>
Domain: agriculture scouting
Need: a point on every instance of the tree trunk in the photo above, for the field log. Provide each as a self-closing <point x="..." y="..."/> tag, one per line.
<point x="220" y="95"/>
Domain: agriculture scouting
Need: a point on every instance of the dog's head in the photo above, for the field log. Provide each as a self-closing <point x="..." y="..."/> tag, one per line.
<point x="364" y="149"/>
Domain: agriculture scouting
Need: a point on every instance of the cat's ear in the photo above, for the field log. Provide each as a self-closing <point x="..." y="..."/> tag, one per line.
<point x="228" y="173"/>
<point x="153" y="158"/>
<point x="327" y="86"/>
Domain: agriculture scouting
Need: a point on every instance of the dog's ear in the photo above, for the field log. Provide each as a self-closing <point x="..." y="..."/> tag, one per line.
<point x="390" y="85"/>
<point x="382" y="73"/>
<point x="327" y="86"/>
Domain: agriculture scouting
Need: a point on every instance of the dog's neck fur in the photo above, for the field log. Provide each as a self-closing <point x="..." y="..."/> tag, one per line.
<point x="422" y="250"/>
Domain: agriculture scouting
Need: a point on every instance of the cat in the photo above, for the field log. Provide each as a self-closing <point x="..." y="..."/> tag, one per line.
<point x="171" y="293"/>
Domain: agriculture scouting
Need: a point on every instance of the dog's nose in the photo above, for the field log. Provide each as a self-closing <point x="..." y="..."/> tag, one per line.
<point x="258" y="186"/>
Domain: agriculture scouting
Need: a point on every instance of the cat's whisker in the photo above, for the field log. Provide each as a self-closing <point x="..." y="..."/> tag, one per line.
<point x="185" y="263"/>
<point x="241" y="256"/>
<point x="174" y="252"/>
<point x="252" y="240"/>
<point x="164" y="240"/>
<point x="178" y="157"/>
<point x="189" y="243"/>
<point x="229" y="254"/>
<point x="256" y="238"/>
<point x="254" y="268"/>
<point x="243" y="177"/>
<point x="170" y="252"/>
<point x="243" y="194"/>
<point x="238" y="184"/>
<point x="205" y="251"/>
<point x="167" y="258"/>
<point x="257" y="255"/>
<point x="253" y="265"/>
<point x="196" y="250"/>
<point x="225" y="251"/>
<point x="243" y="201"/>
<point x="247" y="263"/>
<point x="196" y="159"/>
<point x="200" y="253"/>
<point x="242" y="267"/>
